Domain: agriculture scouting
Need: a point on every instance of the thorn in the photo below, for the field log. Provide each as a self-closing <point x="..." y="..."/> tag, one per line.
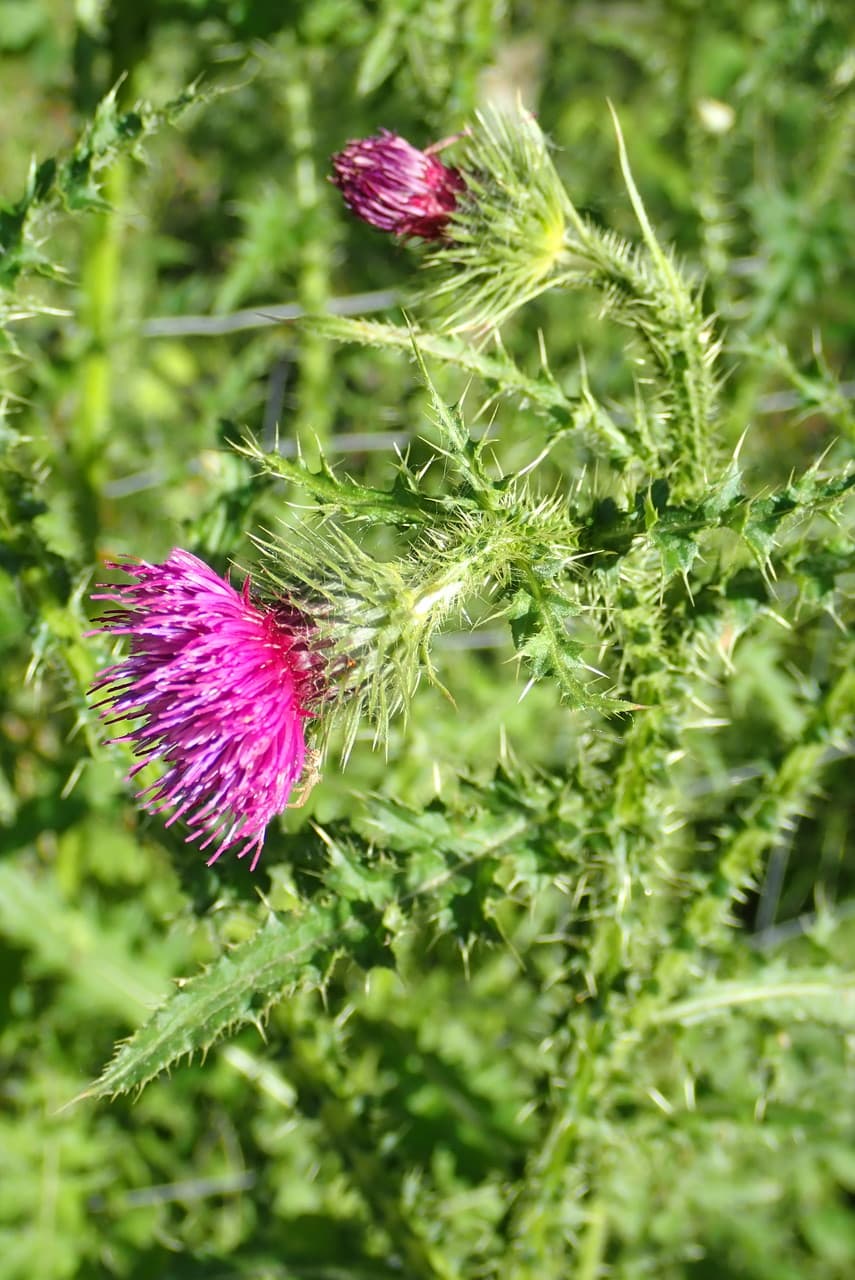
<point x="528" y="688"/>
<point x="740" y="442"/>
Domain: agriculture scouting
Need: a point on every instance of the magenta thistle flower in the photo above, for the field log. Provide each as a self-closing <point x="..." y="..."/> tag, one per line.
<point x="221" y="685"/>
<point x="394" y="186"/>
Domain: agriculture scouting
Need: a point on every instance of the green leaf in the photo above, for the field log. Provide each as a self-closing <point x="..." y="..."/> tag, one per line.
<point x="73" y="182"/>
<point x="827" y="998"/>
<point x="384" y="50"/>
<point x="402" y="504"/>
<point x="284" y="955"/>
<point x="678" y="553"/>
<point x="539" y="615"/>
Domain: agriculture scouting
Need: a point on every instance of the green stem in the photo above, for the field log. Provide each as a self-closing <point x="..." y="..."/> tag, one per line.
<point x="594" y="1243"/>
<point x="666" y="313"/>
<point x="98" y="279"/>
<point x="314" y="409"/>
<point x="123" y="38"/>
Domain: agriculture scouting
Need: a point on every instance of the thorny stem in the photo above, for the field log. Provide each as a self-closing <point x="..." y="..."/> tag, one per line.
<point x="314" y="412"/>
<point x="99" y="278"/>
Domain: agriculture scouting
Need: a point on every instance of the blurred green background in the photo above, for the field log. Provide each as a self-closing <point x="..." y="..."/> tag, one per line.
<point x="121" y="390"/>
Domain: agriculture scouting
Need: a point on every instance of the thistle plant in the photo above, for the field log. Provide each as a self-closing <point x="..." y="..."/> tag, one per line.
<point x="519" y="1014"/>
<point x="515" y="233"/>
<point x="488" y="537"/>
<point x="518" y="234"/>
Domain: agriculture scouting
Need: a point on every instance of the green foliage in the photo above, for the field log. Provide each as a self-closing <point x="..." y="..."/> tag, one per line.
<point x="73" y="181"/>
<point x="553" y="973"/>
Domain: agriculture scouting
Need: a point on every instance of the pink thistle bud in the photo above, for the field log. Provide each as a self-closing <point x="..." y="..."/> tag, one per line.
<point x="392" y="185"/>
<point x="221" y="684"/>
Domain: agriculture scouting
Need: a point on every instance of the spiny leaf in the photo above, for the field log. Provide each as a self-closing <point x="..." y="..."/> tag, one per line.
<point x="539" y="615"/>
<point x="581" y="415"/>
<point x="812" y="494"/>
<point x="284" y="955"/>
<point x="72" y="182"/>
<point x="804" y="996"/>
<point x="496" y="369"/>
<point x="787" y="793"/>
<point x="401" y="504"/>
<point x="453" y="860"/>
<point x="758" y="519"/>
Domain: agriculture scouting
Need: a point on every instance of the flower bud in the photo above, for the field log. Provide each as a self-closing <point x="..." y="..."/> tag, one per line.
<point x="393" y="186"/>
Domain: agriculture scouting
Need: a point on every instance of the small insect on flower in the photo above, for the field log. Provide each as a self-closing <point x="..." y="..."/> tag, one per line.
<point x="221" y="684"/>
<point x="393" y="186"/>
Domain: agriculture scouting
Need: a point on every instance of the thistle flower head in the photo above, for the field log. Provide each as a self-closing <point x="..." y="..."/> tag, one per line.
<point x="513" y="234"/>
<point x="393" y="186"/>
<point x="221" y="684"/>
